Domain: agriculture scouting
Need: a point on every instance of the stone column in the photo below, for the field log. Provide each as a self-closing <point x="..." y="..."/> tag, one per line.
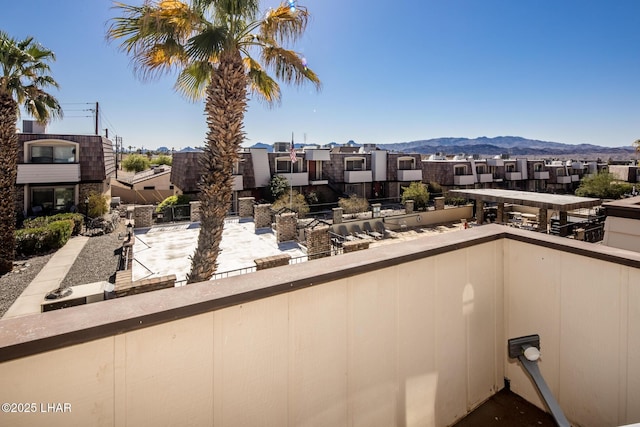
<point x="479" y="212"/>
<point x="245" y="207"/>
<point x="408" y="206"/>
<point x="563" y="222"/>
<point x="194" y="208"/>
<point x="542" y="220"/>
<point x="286" y="227"/>
<point x="500" y="213"/>
<point x="439" y="203"/>
<point x="375" y="210"/>
<point x="143" y="216"/>
<point x="262" y="216"/>
<point x="318" y="242"/>
<point x="337" y="215"/>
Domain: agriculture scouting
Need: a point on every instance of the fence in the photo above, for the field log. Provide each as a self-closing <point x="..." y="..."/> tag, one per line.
<point x="173" y="213"/>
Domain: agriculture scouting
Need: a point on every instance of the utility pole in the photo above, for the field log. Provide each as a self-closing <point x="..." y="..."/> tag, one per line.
<point x="97" y="115"/>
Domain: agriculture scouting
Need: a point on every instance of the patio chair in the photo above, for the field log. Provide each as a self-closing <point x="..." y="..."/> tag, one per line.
<point x="342" y="230"/>
<point x="379" y="226"/>
<point x="357" y="231"/>
<point x="370" y="231"/>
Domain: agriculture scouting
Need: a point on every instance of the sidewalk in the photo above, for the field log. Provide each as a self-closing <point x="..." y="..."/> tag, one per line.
<point x="49" y="278"/>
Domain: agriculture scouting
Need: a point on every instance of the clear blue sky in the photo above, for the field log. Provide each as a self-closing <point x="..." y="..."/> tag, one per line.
<point x="556" y="70"/>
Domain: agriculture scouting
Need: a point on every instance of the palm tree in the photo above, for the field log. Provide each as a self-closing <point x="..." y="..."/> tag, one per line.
<point x="636" y="144"/>
<point x="24" y="76"/>
<point x="213" y="44"/>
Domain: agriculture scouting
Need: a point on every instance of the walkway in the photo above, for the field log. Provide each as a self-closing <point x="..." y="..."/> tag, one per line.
<point x="49" y="278"/>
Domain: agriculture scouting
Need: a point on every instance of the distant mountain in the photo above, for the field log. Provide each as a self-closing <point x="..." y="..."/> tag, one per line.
<point x="262" y="145"/>
<point x="512" y="145"/>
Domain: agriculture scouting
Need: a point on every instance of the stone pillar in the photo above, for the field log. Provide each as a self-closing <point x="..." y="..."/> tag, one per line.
<point x="262" y="216"/>
<point x="272" y="261"/>
<point x="408" y="206"/>
<point x="318" y="242"/>
<point x="143" y="216"/>
<point x="337" y="215"/>
<point x="479" y="212"/>
<point x="439" y="203"/>
<point x="500" y="213"/>
<point x="375" y="210"/>
<point x="563" y="224"/>
<point x="286" y="227"/>
<point x="245" y="208"/>
<point x="194" y="208"/>
<point x="542" y="220"/>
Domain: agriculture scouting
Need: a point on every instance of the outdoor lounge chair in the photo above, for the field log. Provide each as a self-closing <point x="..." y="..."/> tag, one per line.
<point x="379" y="226"/>
<point x="370" y="231"/>
<point x="357" y="231"/>
<point x="342" y="231"/>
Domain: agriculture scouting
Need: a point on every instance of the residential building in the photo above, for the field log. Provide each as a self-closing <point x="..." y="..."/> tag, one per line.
<point x="56" y="173"/>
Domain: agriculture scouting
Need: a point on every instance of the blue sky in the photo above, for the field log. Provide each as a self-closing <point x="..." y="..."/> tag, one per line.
<point x="556" y="70"/>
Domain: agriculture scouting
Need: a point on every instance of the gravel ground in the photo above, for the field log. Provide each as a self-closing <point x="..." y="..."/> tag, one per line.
<point x="97" y="262"/>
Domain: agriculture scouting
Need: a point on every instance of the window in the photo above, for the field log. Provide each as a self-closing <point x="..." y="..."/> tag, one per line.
<point x="283" y="165"/>
<point x="510" y="167"/>
<point x="53" y="154"/>
<point x="481" y="169"/>
<point x="538" y="167"/>
<point x="354" y="189"/>
<point x="354" y="164"/>
<point x="460" y="170"/>
<point x="150" y="187"/>
<point x="406" y="163"/>
<point x="53" y="198"/>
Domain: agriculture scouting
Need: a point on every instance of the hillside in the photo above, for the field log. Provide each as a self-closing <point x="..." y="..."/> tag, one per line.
<point x="512" y="145"/>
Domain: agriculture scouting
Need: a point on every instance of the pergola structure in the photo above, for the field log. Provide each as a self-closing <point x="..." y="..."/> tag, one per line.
<point x="543" y="201"/>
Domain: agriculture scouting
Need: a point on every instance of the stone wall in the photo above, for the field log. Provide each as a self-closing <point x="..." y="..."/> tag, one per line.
<point x="245" y="208"/>
<point x="272" y="261"/>
<point x="286" y="227"/>
<point x="143" y="216"/>
<point x="125" y="287"/>
<point x="355" y="245"/>
<point x="337" y="215"/>
<point x="318" y="242"/>
<point x="262" y="216"/>
<point x="408" y="206"/>
<point x="439" y="203"/>
<point x="194" y="207"/>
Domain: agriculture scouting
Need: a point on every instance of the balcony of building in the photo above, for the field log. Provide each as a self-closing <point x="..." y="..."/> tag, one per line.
<point x="513" y="176"/>
<point x="541" y="175"/>
<point x="400" y="335"/>
<point x="485" y="177"/>
<point x="464" y="180"/>
<point x="563" y="179"/>
<point x="356" y="176"/>
<point x="575" y="178"/>
<point x="405" y="175"/>
<point x="48" y="173"/>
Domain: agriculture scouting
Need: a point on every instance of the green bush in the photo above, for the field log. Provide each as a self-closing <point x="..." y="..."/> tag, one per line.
<point x="162" y="160"/>
<point x="42" y="221"/>
<point x="136" y="163"/>
<point x="278" y="186"/>
<point x="178" y="199"/>
<point x="98" y="205"/>
<point x="40" y="240"/>
<point x="417" y="192"/>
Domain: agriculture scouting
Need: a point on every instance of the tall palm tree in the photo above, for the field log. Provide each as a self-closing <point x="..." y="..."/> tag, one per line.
<point x="24" y="77"/>
<point x="221" y="50"/>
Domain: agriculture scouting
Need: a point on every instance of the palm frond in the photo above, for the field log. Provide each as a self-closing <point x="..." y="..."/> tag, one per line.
<point x="289" y="66"/>
<point x="193" y="80"/>
<point x="208" y="44"/>
<point x="260" y="83"/>
<point x="283" y="25"/>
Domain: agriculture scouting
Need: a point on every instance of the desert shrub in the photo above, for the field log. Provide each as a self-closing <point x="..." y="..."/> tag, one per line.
<point x="136" y="163"/>
<point x="434" y="188"/>
<point x="162" y="160"/>
<point x="296" y="202"/>
<point x="98" y="204"/>
<point x="39" y="240"/>
<point x="42" y="221"/>
<point x="603" y="186"/>
<point x="178" y="199"/>
<point x="354" y="204"/>
<point x="417" y="192"/>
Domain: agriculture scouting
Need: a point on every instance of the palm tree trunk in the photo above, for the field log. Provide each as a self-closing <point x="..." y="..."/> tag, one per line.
<point x="225" y="107"/>
<point x="8" y="172"/>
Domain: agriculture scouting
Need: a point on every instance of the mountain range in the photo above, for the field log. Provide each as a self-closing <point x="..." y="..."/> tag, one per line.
<point x="512" y="145"/>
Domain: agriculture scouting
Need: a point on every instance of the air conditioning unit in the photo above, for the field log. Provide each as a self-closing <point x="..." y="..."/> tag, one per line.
<point x="33" y="126"/>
